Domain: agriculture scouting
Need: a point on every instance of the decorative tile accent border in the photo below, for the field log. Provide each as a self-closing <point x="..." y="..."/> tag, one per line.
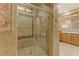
<point x="5" y="16"/>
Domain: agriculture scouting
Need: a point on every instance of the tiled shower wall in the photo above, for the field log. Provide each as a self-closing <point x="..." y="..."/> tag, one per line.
<point x="24" y="28"/>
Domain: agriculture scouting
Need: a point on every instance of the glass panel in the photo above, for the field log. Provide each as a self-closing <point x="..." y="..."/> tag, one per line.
<point x="42" y="29"/>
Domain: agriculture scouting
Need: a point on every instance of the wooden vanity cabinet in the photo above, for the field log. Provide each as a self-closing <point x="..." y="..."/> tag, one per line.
<point x="70" y="38"/>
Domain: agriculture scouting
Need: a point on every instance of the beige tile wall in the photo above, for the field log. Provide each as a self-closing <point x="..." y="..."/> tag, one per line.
<point x="7" y="43"/>
<point x="8" y="39"/>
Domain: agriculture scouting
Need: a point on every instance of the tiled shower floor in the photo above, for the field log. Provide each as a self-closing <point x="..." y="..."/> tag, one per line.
<point x="68" y="49"/>
<point x="31" y="51"/>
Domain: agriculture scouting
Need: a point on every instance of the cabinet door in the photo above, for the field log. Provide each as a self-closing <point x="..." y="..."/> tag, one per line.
<point x="68" y="38"/>
<point x="63" y="37"/>
<point x="75" y="39"/>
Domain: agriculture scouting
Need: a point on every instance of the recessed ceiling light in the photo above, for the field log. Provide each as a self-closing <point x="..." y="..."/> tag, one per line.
<point x="20" y="8"/>
<point x="28" y="10"/>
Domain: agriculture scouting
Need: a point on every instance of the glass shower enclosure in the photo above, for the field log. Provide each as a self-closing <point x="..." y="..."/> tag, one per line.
<point x="32" y="31"/>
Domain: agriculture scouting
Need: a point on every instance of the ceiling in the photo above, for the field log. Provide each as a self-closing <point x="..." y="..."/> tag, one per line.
<point x="50" y="5"/>
<point x="38" y="5"/>
<point x="63" y="7"/>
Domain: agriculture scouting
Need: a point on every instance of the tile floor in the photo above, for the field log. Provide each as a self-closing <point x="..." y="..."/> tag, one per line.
<point x="65" y="49"/>
<point x="68" y="49"/>
<point x="31" y="51"/>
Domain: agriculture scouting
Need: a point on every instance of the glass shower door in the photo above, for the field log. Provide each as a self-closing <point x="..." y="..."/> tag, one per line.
<point x="42" y="33"/>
